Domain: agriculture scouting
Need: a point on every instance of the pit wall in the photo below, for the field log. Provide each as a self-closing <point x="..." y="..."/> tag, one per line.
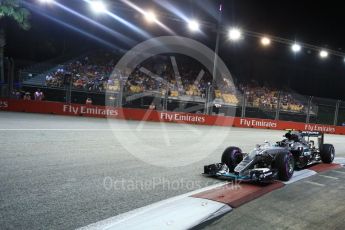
<point x="59" y="108"/>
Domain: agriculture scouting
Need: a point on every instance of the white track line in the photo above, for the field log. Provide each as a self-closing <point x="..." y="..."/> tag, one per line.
<point x="314" y="183"/>
<point x="56" y="129"/>
<point x="329" y="177"/>
<point x="114" y="129"/>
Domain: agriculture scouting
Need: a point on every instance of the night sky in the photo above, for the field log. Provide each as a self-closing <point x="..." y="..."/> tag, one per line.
<point x="317" y="23"/>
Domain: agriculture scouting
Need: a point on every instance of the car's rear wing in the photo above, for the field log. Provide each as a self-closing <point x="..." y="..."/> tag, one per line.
<point x="319" y="135"/>
<point x="308" y="134"/>
<point x="311" y="134"/>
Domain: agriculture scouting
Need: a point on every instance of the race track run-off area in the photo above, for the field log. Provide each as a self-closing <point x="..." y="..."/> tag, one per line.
<point x="60" y="172"/>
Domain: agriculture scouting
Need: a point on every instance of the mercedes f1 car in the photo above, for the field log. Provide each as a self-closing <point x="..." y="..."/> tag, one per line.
<point x="268" y="161"/>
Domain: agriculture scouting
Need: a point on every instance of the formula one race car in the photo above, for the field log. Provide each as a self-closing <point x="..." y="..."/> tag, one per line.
<point x="273" y="161"/>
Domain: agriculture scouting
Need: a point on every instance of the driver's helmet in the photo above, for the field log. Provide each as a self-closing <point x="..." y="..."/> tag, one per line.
<point x="294" y="136"/>
<point x="288" y="135"/>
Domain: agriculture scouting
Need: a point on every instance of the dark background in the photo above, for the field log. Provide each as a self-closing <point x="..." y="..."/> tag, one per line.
<point x="317" y="23"/>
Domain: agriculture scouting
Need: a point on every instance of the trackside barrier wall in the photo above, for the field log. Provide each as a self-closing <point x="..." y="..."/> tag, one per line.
<point x="59" y="108"/>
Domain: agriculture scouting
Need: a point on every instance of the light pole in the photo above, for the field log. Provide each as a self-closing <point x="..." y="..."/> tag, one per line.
<point x="215" y="61"/>
<point x="2" y="72"/>
<point x="209" y="91"/>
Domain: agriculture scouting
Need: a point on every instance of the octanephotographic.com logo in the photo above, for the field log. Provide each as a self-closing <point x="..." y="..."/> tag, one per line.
<point x="162" y="183"/>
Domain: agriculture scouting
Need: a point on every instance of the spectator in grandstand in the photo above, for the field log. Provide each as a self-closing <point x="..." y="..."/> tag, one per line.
<point x="15" y="94"/>
<point x="343" y="124"/>
<point x="27" y="96"/>
<point x="88" y="101"/>
<point x="152" y="106"/>
<point x="49" y="78"/>
<point x="38" y="95"/>
<point x="216" y="108"/>
<point x="112" y="98"/>
<point x="18" y="95"/>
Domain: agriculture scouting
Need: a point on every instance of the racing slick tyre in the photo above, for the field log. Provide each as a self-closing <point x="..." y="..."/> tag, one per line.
<point x="285" y="164"/>
<point x="232" y="156"/>
<point x="327" y="153"/>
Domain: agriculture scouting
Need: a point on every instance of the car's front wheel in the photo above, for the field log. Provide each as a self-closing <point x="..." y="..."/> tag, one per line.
<point x="285" y="165"/>
<point x="232" y="156"/>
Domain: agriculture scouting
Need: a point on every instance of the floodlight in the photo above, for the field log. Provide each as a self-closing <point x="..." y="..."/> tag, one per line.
<point x="235" y="34"/>
<point x="265" y="41"/>
<point x="323" y="54"/>
<point x="296" y="48"/>
<point x="98" y="6"/>
<point x="45" y="1"/>
<point x="150" y="16"/>
<point x="193" y="25"/>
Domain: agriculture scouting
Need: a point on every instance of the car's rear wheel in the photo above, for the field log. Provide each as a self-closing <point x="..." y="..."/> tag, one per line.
<point x="285" y="165"/>
<point x="232" y="156"/>
<point x="327" y="153"/>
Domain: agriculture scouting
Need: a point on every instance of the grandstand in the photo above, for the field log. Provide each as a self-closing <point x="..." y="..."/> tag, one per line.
<point x="36" y="74"/>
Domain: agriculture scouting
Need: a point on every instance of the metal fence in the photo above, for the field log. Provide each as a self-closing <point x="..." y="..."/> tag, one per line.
<point x="310" y="110"/>
<point x="341" y="114"/>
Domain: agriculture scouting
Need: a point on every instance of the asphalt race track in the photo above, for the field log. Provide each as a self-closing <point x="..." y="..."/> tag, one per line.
<point x="62" y="172"/>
